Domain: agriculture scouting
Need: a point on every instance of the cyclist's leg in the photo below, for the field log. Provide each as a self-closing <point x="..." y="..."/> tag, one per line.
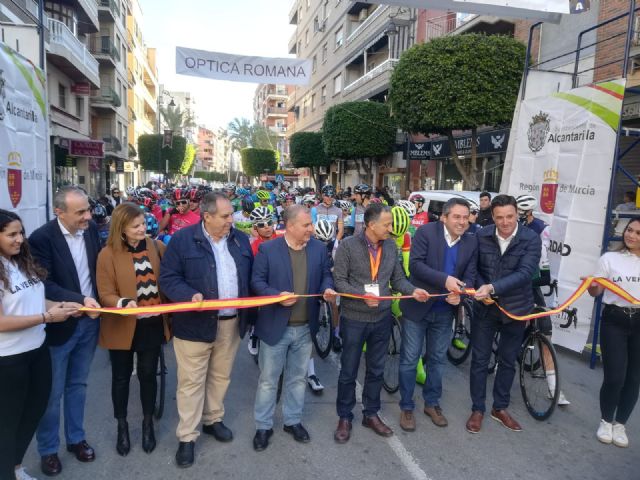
<point x="312" y="379"/>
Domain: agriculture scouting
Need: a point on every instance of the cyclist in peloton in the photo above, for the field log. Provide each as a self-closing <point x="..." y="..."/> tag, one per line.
<point x="263" y="227"/>
<point x="327" y="210"/>
<point x="242" y="218"/>
<point x="526" y="204"/>
<point x="362" y="197"/>
<point x="421" y="217"/>
<point x="180" y="216"/>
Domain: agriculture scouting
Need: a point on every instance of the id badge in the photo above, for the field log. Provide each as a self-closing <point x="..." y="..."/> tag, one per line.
<point x="372" y="289"/>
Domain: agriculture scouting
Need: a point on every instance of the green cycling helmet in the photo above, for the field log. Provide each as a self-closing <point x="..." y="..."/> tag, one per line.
<point x="401" y="221"/>
<point x="263" y="195"/>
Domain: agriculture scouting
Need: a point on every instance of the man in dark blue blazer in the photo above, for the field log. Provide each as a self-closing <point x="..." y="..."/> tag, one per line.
<point x="442" y="260"/>
<point x="508" y="258"/>
<point x="67" y="248"/>
<point x="293" y="263"/>
<point x="207" y="261"/>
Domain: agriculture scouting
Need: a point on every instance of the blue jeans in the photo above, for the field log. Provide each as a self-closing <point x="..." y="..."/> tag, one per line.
<point x="486" y="321"/>
<point x="292" y="354"/>
<point x="70" y="365"/>
<point x="354" y="335"/>
<point x="437" y="328"/>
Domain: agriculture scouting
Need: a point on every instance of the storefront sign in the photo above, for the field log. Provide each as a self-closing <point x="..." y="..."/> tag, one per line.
<point x="119" y="165"/>
<point x="420" y="151"/>
<point x="487" y="143"/>
<point x="86" y="148"/>
<point x="631" y="110"/>
<point x="129" y="167"/>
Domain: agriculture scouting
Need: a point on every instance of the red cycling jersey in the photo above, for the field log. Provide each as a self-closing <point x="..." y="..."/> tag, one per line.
<point x="420" y="219"/>
<point x="180" y="220"/>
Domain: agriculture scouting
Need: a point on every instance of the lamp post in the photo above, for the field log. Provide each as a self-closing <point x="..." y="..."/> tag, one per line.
<point x="171" y="104"/>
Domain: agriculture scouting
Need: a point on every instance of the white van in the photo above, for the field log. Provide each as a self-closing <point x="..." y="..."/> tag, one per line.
<point x="435" y="199"/>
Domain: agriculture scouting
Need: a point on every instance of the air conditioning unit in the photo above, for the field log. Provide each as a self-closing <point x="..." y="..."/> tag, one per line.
<point x="362" y="16"/>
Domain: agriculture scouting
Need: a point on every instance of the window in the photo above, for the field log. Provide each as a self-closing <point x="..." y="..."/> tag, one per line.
<point x="314" y="64"/>
<point x="304" y="108"/>
<point x="80" y="107"/>
<point x="306" y="37"/>
<point x="313" y="102"/>
<point x="323" y="95"/>
<point x="337" y="84"/>
<point x="324" y="52"/>
<point x="62" y="13"/>
<point x="62" y="96"/>
<point x="339" y="37"/>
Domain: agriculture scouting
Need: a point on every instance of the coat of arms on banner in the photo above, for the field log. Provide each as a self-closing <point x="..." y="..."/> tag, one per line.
<point x="538" y="130"/>
<point x="549" y="191"/>
<point x="14" y="178"/>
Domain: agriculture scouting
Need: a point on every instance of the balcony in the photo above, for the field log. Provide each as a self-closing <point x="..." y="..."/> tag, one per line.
<point x="277" y="112"/>
<point x="105" y="98"/>
<point x="70" y="55"/>
<point x="370" y="20"/>
<point x="104" y="50"/>
<point x="293" y="44"/>
<point x="111" y="143"/>
<point x="108" y="8"/>
<point x="280" y="130"/>
<point x="371" y="82"/>
<point x="293" y="14"/>
<point x="90" y="9"/>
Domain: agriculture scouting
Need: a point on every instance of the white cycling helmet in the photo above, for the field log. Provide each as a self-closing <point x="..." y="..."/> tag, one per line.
<point x="308" y="198"/>
<point x="473" y="206"/>
<point x="260" y="214"/>
<point x="409" y="207"/>
<point x="343" y="204"/>
<point x="324" y="230"/>
<point x="526" y="203"/>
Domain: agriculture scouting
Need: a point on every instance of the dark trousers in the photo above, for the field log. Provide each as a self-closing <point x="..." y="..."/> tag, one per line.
<point x="354" y="334"/>
<point x="25" y="384"/>
<point x="121" y="368"/>
<point x="620" y="342"/>
<point x="486" y="322"/>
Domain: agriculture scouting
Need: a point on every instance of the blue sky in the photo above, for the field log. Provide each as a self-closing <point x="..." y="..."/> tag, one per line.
<point x="247" y="27"/>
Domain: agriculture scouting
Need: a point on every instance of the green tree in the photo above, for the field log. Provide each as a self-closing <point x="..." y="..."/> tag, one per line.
<point x="211" y="176"/>
<point x="307" y="151"/>
<point x="256" y="161"/>
<point x="262" y="137"/>
<point x="177" y="120"/>
<point x="189" y="157"/>
<point x="239" y="132"/>
<point x="359" y="130"/>
<point x="153" y="157"/>
<point x="458" y="82"/>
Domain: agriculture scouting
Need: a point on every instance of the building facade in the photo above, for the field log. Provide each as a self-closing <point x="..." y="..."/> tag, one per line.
<point x="205" y="156"/>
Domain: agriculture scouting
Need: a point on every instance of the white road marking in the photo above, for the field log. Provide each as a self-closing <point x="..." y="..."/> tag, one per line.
<point x="396" y="445"/>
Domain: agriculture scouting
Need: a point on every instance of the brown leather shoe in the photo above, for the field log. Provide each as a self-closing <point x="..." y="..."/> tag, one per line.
<point x="505" y="419"/>
<point x="436" y="415"/>
<point x="474" y="424"/>
<point x="407" y="421"/>
<point x="343" y="432"/>
<point x="82" y="451"/>
<point x="50" y="465"/>
<point x="377" y="425"/>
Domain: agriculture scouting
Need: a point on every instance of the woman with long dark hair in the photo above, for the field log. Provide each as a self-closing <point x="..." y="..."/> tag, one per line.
<point x="619" y="337"/>
<point x="127" y="273"/>
<point x="25" y="365"/>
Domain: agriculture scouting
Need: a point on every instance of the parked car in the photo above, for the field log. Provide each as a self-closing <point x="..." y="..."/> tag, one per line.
<point x="435" y="199"/>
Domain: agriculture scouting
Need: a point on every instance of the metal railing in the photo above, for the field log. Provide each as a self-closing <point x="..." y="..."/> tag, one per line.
<point x="444" y="24"/>
<point x="277" y="111"/>
<point x="111" y="5"/>
<point x="104" y="46"/>
<point x="90" y="6"/>
<point x="106" y="94"/>
<point x="60" y="34"/>
<point x="385" y="66"/>
<point x="365" y="23"/>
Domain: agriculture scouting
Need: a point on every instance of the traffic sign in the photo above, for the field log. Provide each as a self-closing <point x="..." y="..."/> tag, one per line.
<point x="279" y="178"/>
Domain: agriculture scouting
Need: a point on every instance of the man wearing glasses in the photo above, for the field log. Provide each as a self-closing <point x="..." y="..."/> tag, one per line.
<point x="181" y="216"/>
<point x="263" y="226"/>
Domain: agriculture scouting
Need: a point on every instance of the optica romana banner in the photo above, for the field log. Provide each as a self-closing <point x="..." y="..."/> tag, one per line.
<point x="24" y="160"/>
<point x="239" y="68"/>
<point x="563" y="155"/>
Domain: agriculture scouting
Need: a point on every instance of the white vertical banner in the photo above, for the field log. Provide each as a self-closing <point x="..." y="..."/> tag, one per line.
<point x="564" y="147"/>
<point x="24" y="159"/>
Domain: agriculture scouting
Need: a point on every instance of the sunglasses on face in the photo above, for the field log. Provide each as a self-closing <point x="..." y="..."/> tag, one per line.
<point x="263" y="224"/>
<point x="116" y="193"/>
<point x="182" y="202"/>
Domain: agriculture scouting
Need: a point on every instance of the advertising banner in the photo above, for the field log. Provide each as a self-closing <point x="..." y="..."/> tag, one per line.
<point x="24" y="158"/>
<point x="564" y="146"/>
<point x="239" y="68"/>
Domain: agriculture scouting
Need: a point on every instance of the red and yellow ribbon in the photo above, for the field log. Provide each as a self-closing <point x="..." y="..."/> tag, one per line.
<point x="252" y="302"/>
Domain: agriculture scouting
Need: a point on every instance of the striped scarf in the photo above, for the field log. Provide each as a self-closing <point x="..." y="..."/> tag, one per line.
<point x="146" y="282"/>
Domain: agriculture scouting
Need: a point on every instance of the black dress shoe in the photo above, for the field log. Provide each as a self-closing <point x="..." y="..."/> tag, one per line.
<point x="82" y="451"/>
<point x="123" y="445"/>
<point x="148" y="436"/>
<point x="261" y="440"/>
<point x="184" y="455"/>
<point x="219" y="430"/>
<point x="299" y="433"/>
<point x="50" y="465"/>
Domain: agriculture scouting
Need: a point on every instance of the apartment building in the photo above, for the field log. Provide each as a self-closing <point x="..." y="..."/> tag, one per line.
<point x="187" y="104"/>
<point x="110" y="103"/>
<point x="142" y="94"/>
<point x="204" y="155"/>
<point x="270" y="111"/>
<point x="72" y="73"/>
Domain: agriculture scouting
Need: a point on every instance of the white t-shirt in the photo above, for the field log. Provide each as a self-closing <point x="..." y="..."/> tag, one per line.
<point x="25" y="296"/>
<point x="622" y="268"/>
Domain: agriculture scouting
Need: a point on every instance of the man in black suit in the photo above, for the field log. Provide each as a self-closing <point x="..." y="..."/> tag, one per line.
<point x="67" y="248"/>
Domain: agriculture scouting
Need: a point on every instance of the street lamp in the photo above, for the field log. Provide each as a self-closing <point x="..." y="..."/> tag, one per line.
<point x="171" y="104"/>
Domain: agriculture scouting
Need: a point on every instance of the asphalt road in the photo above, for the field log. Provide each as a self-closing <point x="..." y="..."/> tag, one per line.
<point x="564" y="447"/>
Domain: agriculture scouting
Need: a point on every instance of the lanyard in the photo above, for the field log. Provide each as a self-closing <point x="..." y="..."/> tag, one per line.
<point x="375" y="264"/>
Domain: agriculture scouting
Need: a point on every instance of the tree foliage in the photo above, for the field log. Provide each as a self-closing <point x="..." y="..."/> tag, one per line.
<point x="211" y="176"/>
<point x="153" y="157"/>
<point x="306" y="150"/>
<point x="177" y="120"/>
<point x="457" y="82"/>
<point x="243" y="134"/>
<point x="189" y="157"/>
<point x="256" y="161"/>
<point x="358" y="130"/>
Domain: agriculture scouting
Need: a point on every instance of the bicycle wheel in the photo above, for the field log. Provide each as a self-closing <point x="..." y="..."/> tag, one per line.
<point x="390" y="380"/>
<point x="322" y="338"/>
<point x="460" y="346"/>
<point x="538" y="398"/>
<point x="162" y="385"/>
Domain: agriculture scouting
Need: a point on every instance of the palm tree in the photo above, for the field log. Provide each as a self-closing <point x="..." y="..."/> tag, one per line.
<point x="240" y="133"/>
<point x="177" y="120"/>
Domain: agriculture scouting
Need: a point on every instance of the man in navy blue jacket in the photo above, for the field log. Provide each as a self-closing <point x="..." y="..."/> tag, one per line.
<point x="206" y="261"/>
<point x="443" y="260"/>
<point x="293" y="263"/>
<point x="508" y="257"/>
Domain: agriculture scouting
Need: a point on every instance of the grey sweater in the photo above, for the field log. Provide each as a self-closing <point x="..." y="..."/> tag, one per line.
<point x="352" y="271"/>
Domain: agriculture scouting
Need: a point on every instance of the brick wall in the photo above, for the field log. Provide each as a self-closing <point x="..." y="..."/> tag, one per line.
<point x="610" y="51"/>
<point x="521" y="32"/>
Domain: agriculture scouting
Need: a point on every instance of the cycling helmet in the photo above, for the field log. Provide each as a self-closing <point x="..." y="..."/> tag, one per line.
<point x="526" y="203"/>
<point x="268" y="186"/>
<point x="286" y="184"/>
<point x="401" y="221"/>
<point x="473" y="207"/>
<point x="242" y="192"/>
<point x="130" y="191"/>
<point x="309" y="198"/>
<point x="294" y="191"/>
<point x="282" y="196"/>
<point x="152" y="224"/>
<point x="408" y="206"/>
<point x="247" y="204"/>
<point x="417" y="198"/>
<point x="288" y="196"/>
<point x="260" y="214"/>
<point x="263" y="195"/>
<point x="229" y="186"/>
<point x="343" y="205"/>
<point x="324" y="230"/>
<point x="362" y="188"/>
<point x="181" y="194"/>
<point x="99" y="213"/>
<point x="195" y="195"/>
<point x="328" y="191"/>
<point x="159" y="192"/>
<point x="376" y="200"/>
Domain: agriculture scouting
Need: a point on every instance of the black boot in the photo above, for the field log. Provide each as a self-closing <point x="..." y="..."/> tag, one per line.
<point x="123" y="445"/>
<point x="148" y="435"/>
